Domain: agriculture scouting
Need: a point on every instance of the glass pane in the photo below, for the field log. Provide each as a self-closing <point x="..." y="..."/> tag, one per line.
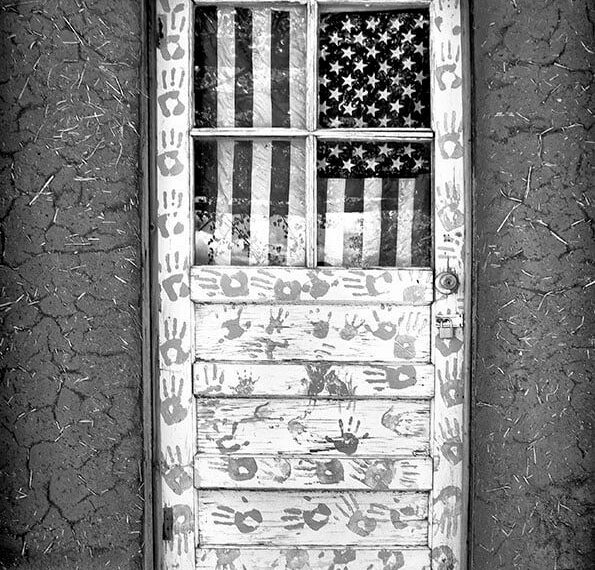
<point x="249" y="202"/>
<point x="250" y="67"/>
<point x="374" y="70"/>
<point x="374" y="204"/>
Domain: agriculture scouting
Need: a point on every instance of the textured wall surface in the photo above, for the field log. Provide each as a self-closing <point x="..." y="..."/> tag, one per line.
<point x="70" y="430"/>
<point x="533" y="406"/>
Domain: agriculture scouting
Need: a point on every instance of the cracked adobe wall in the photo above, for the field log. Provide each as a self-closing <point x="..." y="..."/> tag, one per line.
<point x="70" y="427"/>
<point x="532" y="402"/>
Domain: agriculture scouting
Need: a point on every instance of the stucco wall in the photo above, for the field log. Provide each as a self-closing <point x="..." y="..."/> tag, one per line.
<point x="70" y="431"/>
<point x="70" y="426"/>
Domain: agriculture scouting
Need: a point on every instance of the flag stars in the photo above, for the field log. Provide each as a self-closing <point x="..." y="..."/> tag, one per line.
<point x="335" y="94"/>
<point x="336" y="68"/>
<point x="384" y="67"/>
<point x="347" y="25"/>
<point x="335" y="38"/>
<point x="359" y="38"/>
<point x="420" y="76"/>
<point x="372" y="110"/>
<point x="348" y="165"/>
<point x="372" y="23"/>
<point x="419" y="107"/>
<point x="360" y="66"/>
<point x="348" y="81"/>
<point x="349" y="108"/>
<point x="419" y="164"/>
<point x="408" y="63"/>
<point x="384" y="94"/>
<point x="334" y="151"/>
<point x="408" y="37"/>
<point x="347" y="52"/>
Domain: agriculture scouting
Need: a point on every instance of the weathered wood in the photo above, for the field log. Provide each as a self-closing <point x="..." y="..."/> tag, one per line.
<point x="390" y="558"/>
<point x="314" y="380"/>
<point x="312" y="472"/>
<point x="297" y="332"/>
<point x="293" y="285"/>
<point x="360" y="428"/>
<point x="315" y="518"/>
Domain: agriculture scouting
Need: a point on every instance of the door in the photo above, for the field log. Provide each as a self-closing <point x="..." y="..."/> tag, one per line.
<point x="311" y="182"/>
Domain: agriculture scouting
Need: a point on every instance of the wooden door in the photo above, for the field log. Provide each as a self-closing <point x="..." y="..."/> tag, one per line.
<point x="312" y="286"/>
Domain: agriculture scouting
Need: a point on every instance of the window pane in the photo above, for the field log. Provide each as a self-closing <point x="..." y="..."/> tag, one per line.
<point x="374" y="204"/>
<point x="374" y="70"/>
<point x="249" y="202"/>
<point x="250" y="67"/>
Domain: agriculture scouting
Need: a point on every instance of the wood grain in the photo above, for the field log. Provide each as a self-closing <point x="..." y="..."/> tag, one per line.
<point x="314" y="518"/>
<point x="288" y="285"/>
<point x="362" y="428"/>
<point x="297" y="332"/>
<point x="390" y="558"/>
<point x="312" y="472"/>
<point x="314" y="380"/>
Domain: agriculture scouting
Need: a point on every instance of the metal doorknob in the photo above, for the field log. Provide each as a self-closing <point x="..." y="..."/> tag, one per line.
<point x="447" y="283"/>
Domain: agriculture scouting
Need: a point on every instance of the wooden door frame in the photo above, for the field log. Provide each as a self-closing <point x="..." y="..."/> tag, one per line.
<point x="167" y="314"/>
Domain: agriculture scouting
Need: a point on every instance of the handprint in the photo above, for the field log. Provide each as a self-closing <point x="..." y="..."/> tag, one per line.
<point x="168" y="162"/>
<point x="172" y="348"/>
<point x="172" y="410"/>
<point x="241" y="468"/>
<point x="348" y="441"/>
<point x="234" y="329"/>
<point x="229" y="443"/>
<point x="357" y="522"/>
<point x="246" y="522"/>
<point x="450" y="138"/>
<point x="183" y="525"/>
<point x="276" y="469"/>
<point x="226" y="558"/>
<point x="170" y="206"/>
<point x="315" y="518"/>
<point x="177" y="271"/>
<point x="234" y="285"/>
<point x="447" y="510"/>
<point x="176" y="474"/>
<point x="287" y="290"/>
<point x="391" y="559"/>
<point x="403" y="423"/>
<point x="328" y="472"/>
<point x="395" y="378"/>
<point x="450" y="213"/>
<point x="350" y="329"/>
<point x="452" y="446"/>
<point x="276" y="322"/>
<point x="169" y="101"/>
<point x="317" y="288"/>
<point x="385" y="330"/>
<point x="444" y="558"/>
<point x="169" y="42"/>
<point x="212" y="379"/>
<point x="375" y="474"/>
<point x="451" y="384"/>
<point x="344" y="556"/>
<point x="449" y="66"/>
<point x="320" y="326"/>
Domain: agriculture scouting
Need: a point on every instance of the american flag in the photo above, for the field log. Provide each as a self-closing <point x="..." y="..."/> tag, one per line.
<point x="374" y="70"/>
<point x="250" y="67"/>
<point x="250" y="202"/>
<point x="374" y="204"/>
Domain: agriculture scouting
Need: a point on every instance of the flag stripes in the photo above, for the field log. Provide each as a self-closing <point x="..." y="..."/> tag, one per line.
<point x="374" y="222"/>
<point x="250" y="203"/>
<point x="250" y="67"/>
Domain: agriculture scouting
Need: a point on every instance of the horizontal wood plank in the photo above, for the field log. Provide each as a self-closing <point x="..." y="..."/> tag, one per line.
<point x="339" y="558"/>
<point x="313" y="379"/>
<point x="301" y="332"/>
<point x="316" y="518"/>
<point x="312" y="472"/>
<point x="357" y="428"/>
<point x="328" y="285"/>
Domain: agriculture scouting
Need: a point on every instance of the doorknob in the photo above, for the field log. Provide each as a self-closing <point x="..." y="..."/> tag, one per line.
<point x="447" y="282"/>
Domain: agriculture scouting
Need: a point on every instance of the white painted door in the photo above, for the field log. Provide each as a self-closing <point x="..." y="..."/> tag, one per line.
<point x="311" y="343"/>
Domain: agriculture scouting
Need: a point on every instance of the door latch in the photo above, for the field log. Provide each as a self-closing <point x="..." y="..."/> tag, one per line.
<point x="447" y="324"/>
<point x="447" y="283"/>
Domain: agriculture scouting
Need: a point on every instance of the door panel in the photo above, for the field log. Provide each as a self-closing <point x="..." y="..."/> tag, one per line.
<point x="261" y="426"/>
<point x="334" y="285"/>
<point x="313" y="558"/>
<point x="295" y="332"/>
<point x="304" y="379"/>
<point x="293" y="518"/>
<point x="239" y="471"/>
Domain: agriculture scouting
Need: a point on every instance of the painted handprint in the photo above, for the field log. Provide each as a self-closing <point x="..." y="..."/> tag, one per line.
<point x="170" y="205"/>
<point x="176" y="473"/>
<point x="320" y="325"/>
<point x="276" y="469"/>
<point x="444" y="558"/>
<point x="351" y="329"/>
<point x="176" y="270"/>
<point x="226" y="558"/>
<point x="172" y="348"/>
<point x="375" y="474"/>
<point x="404" y="346"/>
<point x="172" y="410"/>
<point x="357" y="521"/>
<point x="385" y="330"/>
<point x="448" y="67"/>
<point x="234" y="285"/>
<point x="395" y="514"/>
<point x="245" y="384"/>
<point x="452" y="446"/>
<point x="229" y="443"/>
<point x="349" y="440"/>
<point x="168" y="161"/>
<point x="447" y="510"/>
<point x="450" y="213"/>
<point x="287" y="290"/>
<point x="450" y="138"/>
<point x="317" y="287"/>
<point x="316" y="518"/>
<point x="391" y="559"/>
<point x="451" y="383"/>
<point x="344" y="556"/>
<point x="210" y="379"/>
<point x="276" y="321"/>
<point x="403" y="423"/>
<point x="246" y="521"/>
<point x="393" y="377"/>
<point x="233" y="326"/>
<point x="169" y="101"/>
<point x="298" y="558"/>
<point x="241" y="468"/>
<point x="171" y="26"/>
<point x="367" y="284"/>
<point x="327" y="472"/>
<point x="183" y="526"/>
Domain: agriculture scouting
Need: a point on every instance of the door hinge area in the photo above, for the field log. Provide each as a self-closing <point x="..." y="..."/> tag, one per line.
<point x="168" y="523"/>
